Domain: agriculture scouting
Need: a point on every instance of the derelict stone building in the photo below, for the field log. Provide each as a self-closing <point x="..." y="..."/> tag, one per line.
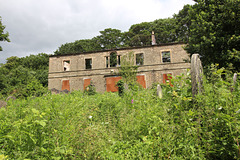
<point x="75" y="71"/>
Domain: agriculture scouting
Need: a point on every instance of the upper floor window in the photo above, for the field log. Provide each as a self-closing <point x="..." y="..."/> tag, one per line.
<point x="66" y="65"/>
<point x="113" y="60"/>
<point x="166" y="56"/>
<point x="88" y="63"/>
<point x="139" y="59"/>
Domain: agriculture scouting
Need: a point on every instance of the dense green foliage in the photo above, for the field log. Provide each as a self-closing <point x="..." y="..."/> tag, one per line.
<point x="138" y="35"/>
<point x="127" y="70"/>
<point x="137" y="125"/>
<point x="23" y="77"/>
<point x="79" y="46"/>
<point x="3" y="36"/>
<point x="214" y="32"/>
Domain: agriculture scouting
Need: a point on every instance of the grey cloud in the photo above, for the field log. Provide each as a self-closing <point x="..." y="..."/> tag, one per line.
<point x="42" y="26"/>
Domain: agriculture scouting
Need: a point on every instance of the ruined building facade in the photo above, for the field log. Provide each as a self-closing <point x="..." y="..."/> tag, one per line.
<point x="156" y="63"/>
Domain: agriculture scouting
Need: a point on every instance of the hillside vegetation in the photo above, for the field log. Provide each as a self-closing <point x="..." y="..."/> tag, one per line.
<point x="135" y="125"/>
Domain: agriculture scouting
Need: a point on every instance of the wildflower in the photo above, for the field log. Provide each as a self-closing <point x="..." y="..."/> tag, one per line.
<point x="238" y="111"/>
<point x="220" y="108"/>
<point x="132" y="101"/>
<point x="90" y="117"/>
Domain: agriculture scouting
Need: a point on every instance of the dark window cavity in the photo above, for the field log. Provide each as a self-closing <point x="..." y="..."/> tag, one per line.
<point x="166" y="56"/>
<point x="139" y="59"/>
<point x="119" y="61"/>
<point x="88" y="63"/>
<point x="107" y="62"/>
<point x="113" y="59"/>
<point x="66" y="65"/>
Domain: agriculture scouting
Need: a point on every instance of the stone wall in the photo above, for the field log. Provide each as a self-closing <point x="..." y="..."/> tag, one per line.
<point x="153" y="67"/>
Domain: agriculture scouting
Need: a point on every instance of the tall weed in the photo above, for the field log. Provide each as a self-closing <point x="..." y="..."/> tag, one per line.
<point x="135" y="125"/>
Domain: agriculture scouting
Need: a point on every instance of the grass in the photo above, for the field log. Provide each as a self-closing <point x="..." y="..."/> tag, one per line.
<point x="137" y="125"/>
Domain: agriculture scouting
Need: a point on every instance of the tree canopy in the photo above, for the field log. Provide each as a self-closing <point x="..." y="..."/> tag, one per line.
<point x="24" y="76"/>
<point x="214" y="32"/>
<point x="3" y="36"/>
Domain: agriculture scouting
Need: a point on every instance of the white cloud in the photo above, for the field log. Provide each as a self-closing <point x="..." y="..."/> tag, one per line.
<point x="42" y="26"/>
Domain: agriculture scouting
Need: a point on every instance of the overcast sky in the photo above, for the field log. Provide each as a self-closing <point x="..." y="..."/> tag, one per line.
<point x="41" y="26"/>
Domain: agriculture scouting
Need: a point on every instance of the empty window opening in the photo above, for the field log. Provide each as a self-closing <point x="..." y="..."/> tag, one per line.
<point x="113" y="59"/>
<point x="88" y="63"/>
<point x="111" y="84"/>
<point x="166" y="56"/>
<point x="65" y="85"/>
<point x="141" y="80"/>
<point x="167" y="79"/>
<point x="66" y="65"/>
<point x="139" y="59"/>
<point x="107" y="62"/>
<point x="118" y="61"/>
<point x="86" y="83"/>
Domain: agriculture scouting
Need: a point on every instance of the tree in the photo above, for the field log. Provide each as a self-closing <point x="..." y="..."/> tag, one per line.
<point x="35" y="62"/>
<point x="12" y="62"/>
<point x="165" y="30"/>
<point x="128" y="70"/>
<point x="3" y="36"/>
<point x="183" y="23"/>
<point x="110" y="38"/>
<point x="139" y="34"/>
<point x="79" y="46"/>
<point x="38" y="64"/>
<point x="215" y="32"/>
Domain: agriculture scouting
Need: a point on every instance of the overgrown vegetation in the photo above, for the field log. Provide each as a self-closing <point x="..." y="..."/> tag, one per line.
<point x="137" y="125"/>
<point x="24" y="77"/>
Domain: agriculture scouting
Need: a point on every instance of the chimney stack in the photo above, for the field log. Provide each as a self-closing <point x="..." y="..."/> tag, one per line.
<point x="153" y="39"/>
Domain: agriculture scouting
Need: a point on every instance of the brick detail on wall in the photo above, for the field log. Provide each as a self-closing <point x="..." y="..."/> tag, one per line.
<point x="86" y="82"/>
<point x="141" y="80"/>
<point x="111" y="84"/>
<point x="167" y="78"/>
<point x="65" y="85"/>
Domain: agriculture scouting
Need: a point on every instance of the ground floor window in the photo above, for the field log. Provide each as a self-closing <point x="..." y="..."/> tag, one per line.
<point x="167" y="78"/>
<point x="111" y="83"/>
<point x="141" y="80"/>
<point x="86" y="83"/>
<point x="65" y="85"/>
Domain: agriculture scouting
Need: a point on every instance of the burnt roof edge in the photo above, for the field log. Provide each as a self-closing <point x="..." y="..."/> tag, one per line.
<point x="117" y="49"/>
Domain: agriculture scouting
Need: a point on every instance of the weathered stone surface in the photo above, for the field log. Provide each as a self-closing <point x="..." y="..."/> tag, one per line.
<point x="55" y="91"/>
<point x="234" y="79"/>
<point x="11" y="98"/>
<point x="3" y="104"/>
<point x="159" y="91"/>
<point x="65" y="91"/>
<point x="196" y="75"/>
<point x="153" y="67"/>
<point x="234" y="82"/>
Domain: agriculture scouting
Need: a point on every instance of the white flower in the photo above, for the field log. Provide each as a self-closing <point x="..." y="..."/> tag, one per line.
<point x="220" y="108"/>
<point x="90" y="117"/>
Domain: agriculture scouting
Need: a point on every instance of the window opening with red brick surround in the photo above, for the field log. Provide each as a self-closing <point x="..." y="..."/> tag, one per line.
<point x="167" y="78"/>
<point x="65" y="85"/>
